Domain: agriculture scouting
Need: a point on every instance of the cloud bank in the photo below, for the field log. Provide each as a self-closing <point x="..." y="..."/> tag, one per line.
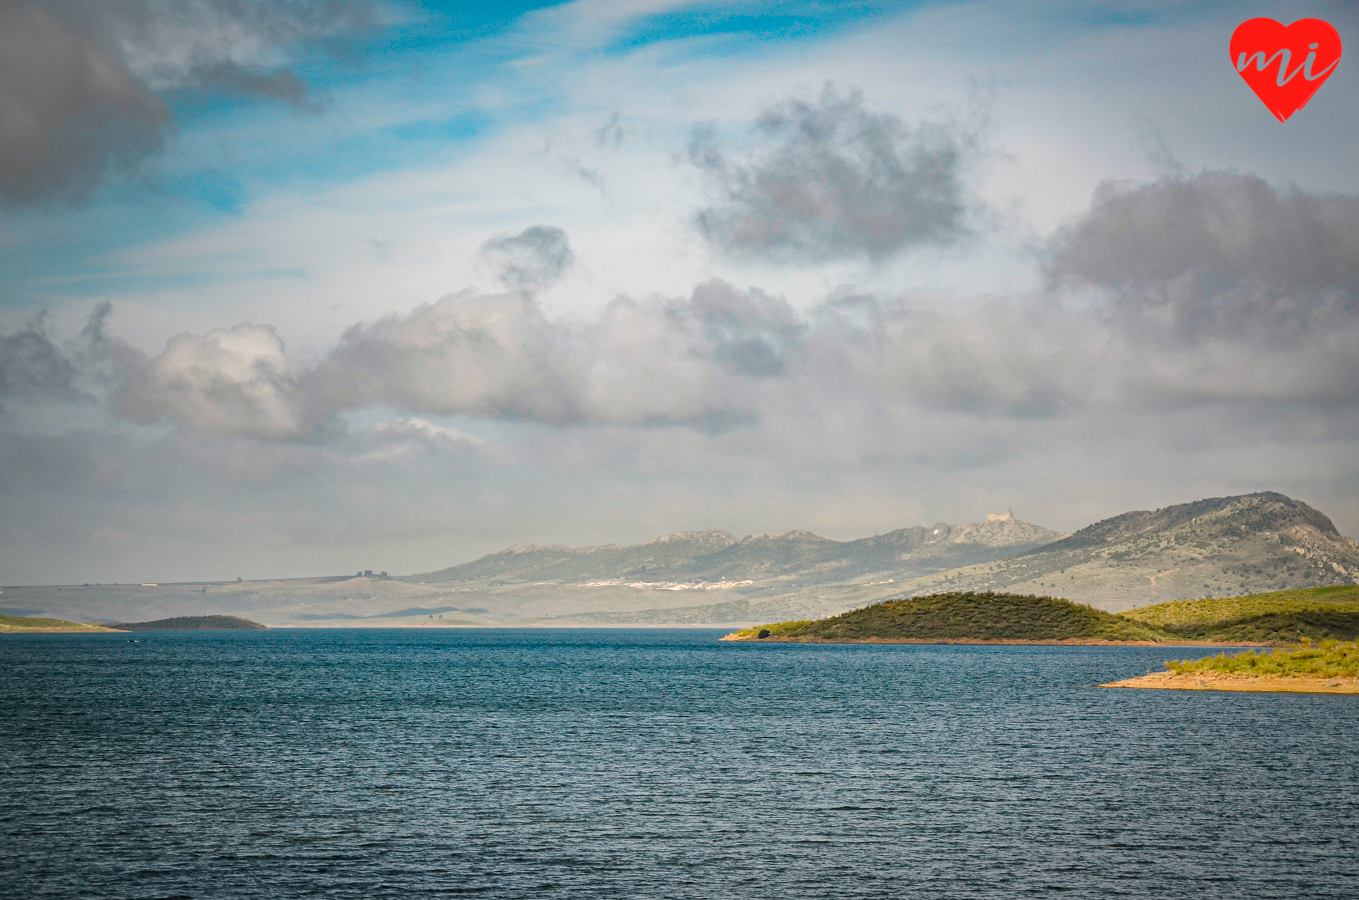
<point x="1174" y="295"/>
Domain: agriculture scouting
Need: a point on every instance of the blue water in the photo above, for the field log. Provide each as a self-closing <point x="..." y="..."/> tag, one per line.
<point x="584" y="764"/>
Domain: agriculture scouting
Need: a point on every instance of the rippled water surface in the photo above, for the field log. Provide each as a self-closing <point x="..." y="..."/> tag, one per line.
<point x="653" y="764"/>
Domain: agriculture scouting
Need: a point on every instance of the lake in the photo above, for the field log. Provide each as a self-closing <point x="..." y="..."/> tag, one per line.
<point x="653" y="763"/>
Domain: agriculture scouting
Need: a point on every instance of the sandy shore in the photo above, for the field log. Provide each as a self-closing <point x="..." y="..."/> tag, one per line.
<point x="1217" y="681"/>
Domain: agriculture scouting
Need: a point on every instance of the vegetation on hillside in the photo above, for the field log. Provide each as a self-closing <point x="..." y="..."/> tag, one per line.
<point x="28" y="623"/>
<point x="1278" y="617"/>
<point x="964" y="616"/>
<point x="1330" y="659"/>
<point x="194" y="623"/>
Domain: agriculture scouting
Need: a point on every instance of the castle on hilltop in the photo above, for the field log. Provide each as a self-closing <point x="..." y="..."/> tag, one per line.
<point x="1001" y="517"/>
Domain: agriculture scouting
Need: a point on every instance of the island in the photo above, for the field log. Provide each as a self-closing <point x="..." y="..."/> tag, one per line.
<point x="194" y="623"/>
<point x="32" y="625"/>
<point x="1331" y="667"/>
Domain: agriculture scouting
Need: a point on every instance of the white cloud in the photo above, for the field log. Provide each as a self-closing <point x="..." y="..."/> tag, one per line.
<point x="232" y="381"/>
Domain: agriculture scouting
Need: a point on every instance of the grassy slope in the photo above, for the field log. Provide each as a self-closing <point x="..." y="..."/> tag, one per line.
<point x="14" y="624"/>
<point x="194" y="623"/>
<point x="1282" y="616"/>
<point x="1332" y="659"/>
<point x="964" y="617"/>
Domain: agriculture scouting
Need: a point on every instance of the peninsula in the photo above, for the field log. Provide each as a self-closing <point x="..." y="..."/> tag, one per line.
<point x="1332" y="667"/>
<point x="962" y="618"/>
<point x="1275" y="618"/>
<point x="30" y="625"/>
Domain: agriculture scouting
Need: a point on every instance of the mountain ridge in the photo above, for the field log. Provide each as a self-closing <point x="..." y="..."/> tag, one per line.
<point x="1220" y="546"/>
<point x="717" y="555"/>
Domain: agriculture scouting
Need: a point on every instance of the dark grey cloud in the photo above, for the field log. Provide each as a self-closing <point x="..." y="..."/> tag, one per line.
<point x="837" y="182"/>
<point x="70" y="110"/>
<point x="80" y="81"/>
<point x="531" y="260"/>
<point x="35" y="365"/>
<point x="751" y="332"/>
<point x="1217" y="255"/>
<point x="280" y="84"/>
<point x="32" y="365"/>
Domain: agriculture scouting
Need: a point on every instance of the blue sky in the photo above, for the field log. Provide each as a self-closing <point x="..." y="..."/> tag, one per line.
<point x="691" y="209"/>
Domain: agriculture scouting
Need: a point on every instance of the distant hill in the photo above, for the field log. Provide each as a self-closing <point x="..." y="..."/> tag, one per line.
<point x="19" y="624"/>
<point x="797" y="557"/>
<point x="959" y="617"/>
<point x="193" y="623"/>
<point x="1224" y="546"/>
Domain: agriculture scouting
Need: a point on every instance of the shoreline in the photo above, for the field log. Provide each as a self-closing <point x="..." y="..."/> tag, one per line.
<point x="736" y="637"/>
<point x="1224" y="681"/>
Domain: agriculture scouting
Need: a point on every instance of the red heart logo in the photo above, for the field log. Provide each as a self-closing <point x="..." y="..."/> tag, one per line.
<point x="1285" y="66"/>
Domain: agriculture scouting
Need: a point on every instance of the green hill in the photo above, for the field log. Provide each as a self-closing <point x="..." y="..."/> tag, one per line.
<point x="194" y="623"/>
<point x="961" y="617"/>
<point x="1278" y="617"/>
<point x="12" y="624"/>
<point x="1330" y="659"/>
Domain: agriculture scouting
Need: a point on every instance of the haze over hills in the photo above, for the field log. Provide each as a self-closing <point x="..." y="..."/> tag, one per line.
<point x="810" y="574"/>
<point x="796" y="556"/>
<point x="1221" y="546"/>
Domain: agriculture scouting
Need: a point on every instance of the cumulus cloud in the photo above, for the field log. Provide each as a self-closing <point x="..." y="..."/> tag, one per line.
<point x="1217" y="255"/>
<point x="500" y="356"/>
<point x="36" y="365"/>
<point x="80" y="81"/>
<point x="32" y="365"/>
<point x="531" y="260"/>
<point x="233" y="381"/>
<point x="834" y="180"/>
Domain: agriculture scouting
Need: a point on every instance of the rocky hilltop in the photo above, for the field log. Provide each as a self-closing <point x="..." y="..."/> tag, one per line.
<point x="1223" y="546"/>
<point x="795" y="557"/>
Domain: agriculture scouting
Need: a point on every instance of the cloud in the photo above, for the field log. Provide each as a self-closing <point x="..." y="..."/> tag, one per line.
<point x="1218" y="255"/>
<point x="37" y="366"/>
<point x="425" y="430"/>
<point x="531" y="260"/>
<point x="32" y="365"/>
<point x="281" y="84"/>
<point x="1237" y="324"/>
<point x="837" y="182"/>
<point x="80" y="82"/>
<point x="660" y="361"/>
<point x="69" y="109"/>
<point x="751" y="333"/>
<point x="224" y="44"/>
<point x="232" y="381"/>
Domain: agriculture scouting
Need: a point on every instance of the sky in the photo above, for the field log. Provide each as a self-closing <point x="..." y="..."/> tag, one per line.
<point x="293" y="289"/>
